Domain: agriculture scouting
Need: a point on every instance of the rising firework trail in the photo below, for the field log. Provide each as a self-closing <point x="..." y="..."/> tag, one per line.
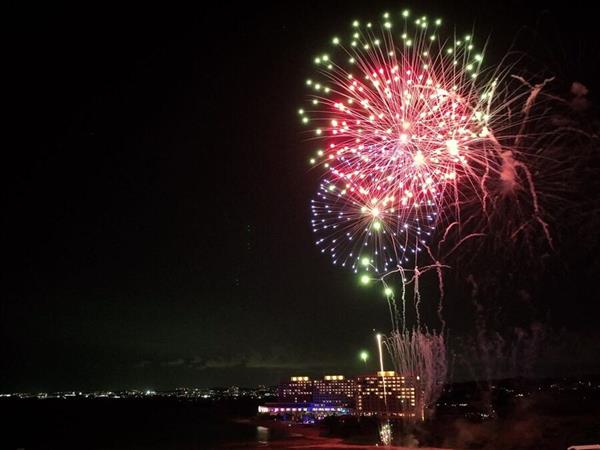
<point x="385" y="429"/>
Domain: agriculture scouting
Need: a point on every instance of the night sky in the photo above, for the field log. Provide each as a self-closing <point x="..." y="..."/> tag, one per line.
<point x="155" y="223"/>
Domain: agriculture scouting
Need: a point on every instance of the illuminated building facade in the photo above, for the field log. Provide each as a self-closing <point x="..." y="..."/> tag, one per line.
<point x="381" y="394"/>
<point x="297" y="390"/>
<point x="297" y="411"/>
<point x="388" y="394"/>
<point x="334" y="390"/>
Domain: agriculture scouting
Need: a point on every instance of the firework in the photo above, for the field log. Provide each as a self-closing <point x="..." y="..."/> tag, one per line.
<point x="422" y="147"/>
<point x="402" y="120"/>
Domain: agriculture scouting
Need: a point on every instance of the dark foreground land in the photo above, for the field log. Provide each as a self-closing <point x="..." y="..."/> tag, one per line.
<point x="521" y="415"/>
<point x="136" y="423"/>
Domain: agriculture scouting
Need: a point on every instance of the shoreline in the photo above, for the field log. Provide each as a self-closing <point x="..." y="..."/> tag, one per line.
<point x="291" y="435"/>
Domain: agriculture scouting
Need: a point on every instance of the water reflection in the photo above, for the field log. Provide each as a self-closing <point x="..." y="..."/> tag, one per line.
<point x="262" y="435"/>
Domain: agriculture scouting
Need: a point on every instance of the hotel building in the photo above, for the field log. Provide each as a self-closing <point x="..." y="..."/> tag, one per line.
<point x="388" y="394"/>
<point x="379" y="394"/>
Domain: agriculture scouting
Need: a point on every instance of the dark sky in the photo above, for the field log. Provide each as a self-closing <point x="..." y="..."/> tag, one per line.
<point x="155" y="223"/>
